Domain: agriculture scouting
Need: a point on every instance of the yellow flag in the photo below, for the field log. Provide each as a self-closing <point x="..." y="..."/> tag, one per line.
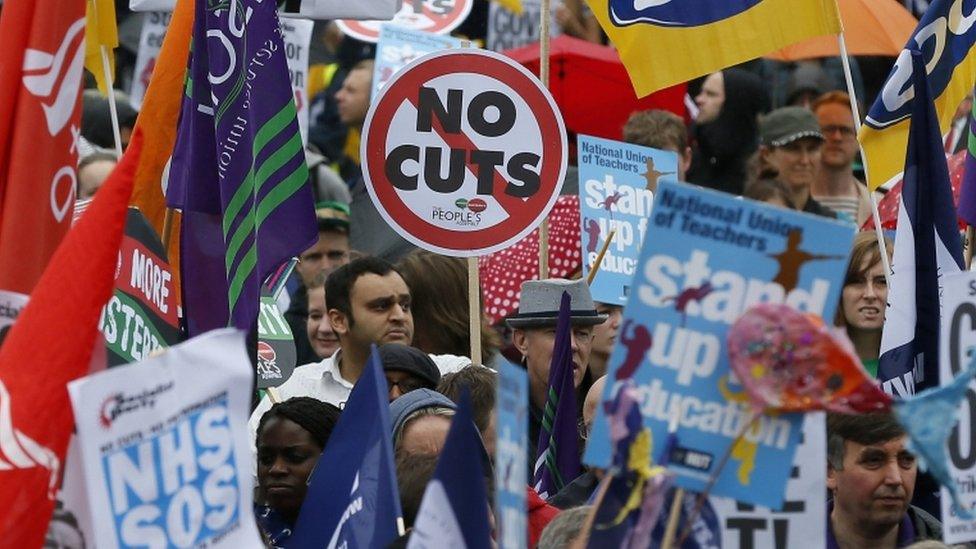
<point x="946" y="42"/>
<point x="514" y="6"/>
<point x="663" y="43"/>
<point x="100" y="30"/>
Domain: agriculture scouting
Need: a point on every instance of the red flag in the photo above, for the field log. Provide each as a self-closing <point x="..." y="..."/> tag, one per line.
<point x="42" y="54"/>
<point x="51" y="344"/>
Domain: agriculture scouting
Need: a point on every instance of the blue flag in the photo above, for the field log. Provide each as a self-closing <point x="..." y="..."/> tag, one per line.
<point x="238" y="171"/>
<point x="557" y="461"/>
<point x="927" y="246"/>
<point x="352" y="498"/>
<point x="454" y="511"/>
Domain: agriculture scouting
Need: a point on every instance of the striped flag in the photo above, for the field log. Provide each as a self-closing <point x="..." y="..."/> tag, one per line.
<point x="967" y="196"/>
<point x="558" y="459"/>
<point x="238" y="171"/>
<point x="927" y="246"/>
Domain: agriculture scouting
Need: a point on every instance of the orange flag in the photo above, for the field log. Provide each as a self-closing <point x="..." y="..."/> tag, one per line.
<point x="158" y="119"/>
<point x="42" y="55"/>
<point x="51" y="344"/>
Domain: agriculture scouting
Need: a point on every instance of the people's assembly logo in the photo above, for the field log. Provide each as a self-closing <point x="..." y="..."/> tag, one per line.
<point x="676" y="13"/>
<point x="268" y="362"/>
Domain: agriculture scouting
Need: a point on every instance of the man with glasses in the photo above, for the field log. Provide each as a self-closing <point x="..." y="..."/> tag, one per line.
<point x="835" y="185"/>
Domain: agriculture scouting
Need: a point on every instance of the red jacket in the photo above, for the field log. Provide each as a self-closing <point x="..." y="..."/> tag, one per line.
<point x="539" y="514"/>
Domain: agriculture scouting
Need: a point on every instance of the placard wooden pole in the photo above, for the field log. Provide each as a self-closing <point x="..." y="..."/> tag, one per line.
<point x="167" y="229"/>
<point x="474" y="310"/>
<point x="544" y="32"/>
<point x="599" y="257"/>
<point x="878" y="233"/>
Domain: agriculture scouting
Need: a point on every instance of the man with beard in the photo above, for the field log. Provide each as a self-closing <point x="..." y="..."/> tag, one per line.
<point x="871" y="477"/>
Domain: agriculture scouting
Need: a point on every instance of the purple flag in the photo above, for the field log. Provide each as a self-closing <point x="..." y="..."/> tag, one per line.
<point x="967" y="197"/>
<point x="238" y="170"/>
<point x="558" y="459"/>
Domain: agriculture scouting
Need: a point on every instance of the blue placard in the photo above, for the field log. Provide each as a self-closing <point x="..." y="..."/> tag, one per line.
<point x="512" y="408"/>
<point x="707" y="258"/>
<point x="186" y="466"/>
<point x="398" y="46"/>
<point x="615" y="181"/>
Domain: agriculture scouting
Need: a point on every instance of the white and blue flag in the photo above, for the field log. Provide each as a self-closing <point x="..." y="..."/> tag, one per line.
<point x="927" y="246"/>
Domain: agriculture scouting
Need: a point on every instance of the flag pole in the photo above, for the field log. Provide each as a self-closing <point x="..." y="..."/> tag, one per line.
<point x="474" y="310"/>
<point x="544" y="20"/>
<point x="113" y="110"/>
<point x="599" y="257"/>
<point x="878" y="233"/>
<point x="970" y="242"/>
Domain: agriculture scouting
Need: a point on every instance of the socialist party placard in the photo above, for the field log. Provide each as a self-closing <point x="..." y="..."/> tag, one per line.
<point x="707" y="258"/>
<point x="165" y="450"/>
<point x="464" y="152"/>
<point x="140" y="317"/>
<point x="616" y="183"/>
<point x="958" y="348"/>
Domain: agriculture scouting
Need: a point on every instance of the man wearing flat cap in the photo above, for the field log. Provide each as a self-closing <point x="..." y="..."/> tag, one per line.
<point x="534" y="335"/>
<point x="790" y="142"/>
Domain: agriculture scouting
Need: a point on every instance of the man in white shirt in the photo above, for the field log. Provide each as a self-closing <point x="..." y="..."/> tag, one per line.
<point x="368" y="302"/>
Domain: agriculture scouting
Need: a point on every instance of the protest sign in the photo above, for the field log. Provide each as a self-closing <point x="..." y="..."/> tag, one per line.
<point x="339" y="9"/>
<point x="707" y="258"/>
<point x="154" y="26"/>
<point x="164" y="447"/>
<point x="507" y="29"/>
<point x="801" y="522"/>
<point x="511" y="413"/>
<point x="152" y="5"/>
<point x="439" y="17"/>
<point x="398" y="46"/>
<point x="141" y="315"/>
<point x="276" y="345"/>
<point x="71" y="523"/>
<point x="957" y="340"/>
<point x="297" y="35"/>
<point x="494" y="126"/>
<point x="616" y="183"/>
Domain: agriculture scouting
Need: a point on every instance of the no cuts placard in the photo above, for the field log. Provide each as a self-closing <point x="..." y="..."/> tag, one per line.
<point x="464" y="152"/>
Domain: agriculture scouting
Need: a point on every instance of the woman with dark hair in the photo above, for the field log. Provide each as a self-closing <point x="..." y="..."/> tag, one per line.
<point x="439" y="288"/>
<point x="864" y="298"/>
<point x="290" y="440"/>
<point x="726" y="131"/>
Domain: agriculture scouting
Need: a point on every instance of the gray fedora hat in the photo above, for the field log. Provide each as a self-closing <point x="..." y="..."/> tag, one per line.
<point x="539" y="304"/>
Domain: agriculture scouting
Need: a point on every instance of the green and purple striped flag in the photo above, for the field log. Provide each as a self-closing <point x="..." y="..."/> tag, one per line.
<point x="238" y="171"/>
<point x="558" y="459"/>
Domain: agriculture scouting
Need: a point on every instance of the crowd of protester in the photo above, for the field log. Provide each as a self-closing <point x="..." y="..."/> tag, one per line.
<point x="363" y="284"/>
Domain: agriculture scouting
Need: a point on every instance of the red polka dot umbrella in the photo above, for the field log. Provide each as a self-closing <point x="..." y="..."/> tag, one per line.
<point x="888" y="206"/>
<point x="503" y="272"/>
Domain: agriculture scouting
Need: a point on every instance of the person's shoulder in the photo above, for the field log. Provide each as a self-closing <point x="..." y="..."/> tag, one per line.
<point x="926" y="525"/>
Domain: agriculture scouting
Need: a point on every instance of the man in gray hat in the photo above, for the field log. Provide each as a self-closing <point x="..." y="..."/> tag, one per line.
<point x="534" y="336"/>
<point x="790" y="142"/>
